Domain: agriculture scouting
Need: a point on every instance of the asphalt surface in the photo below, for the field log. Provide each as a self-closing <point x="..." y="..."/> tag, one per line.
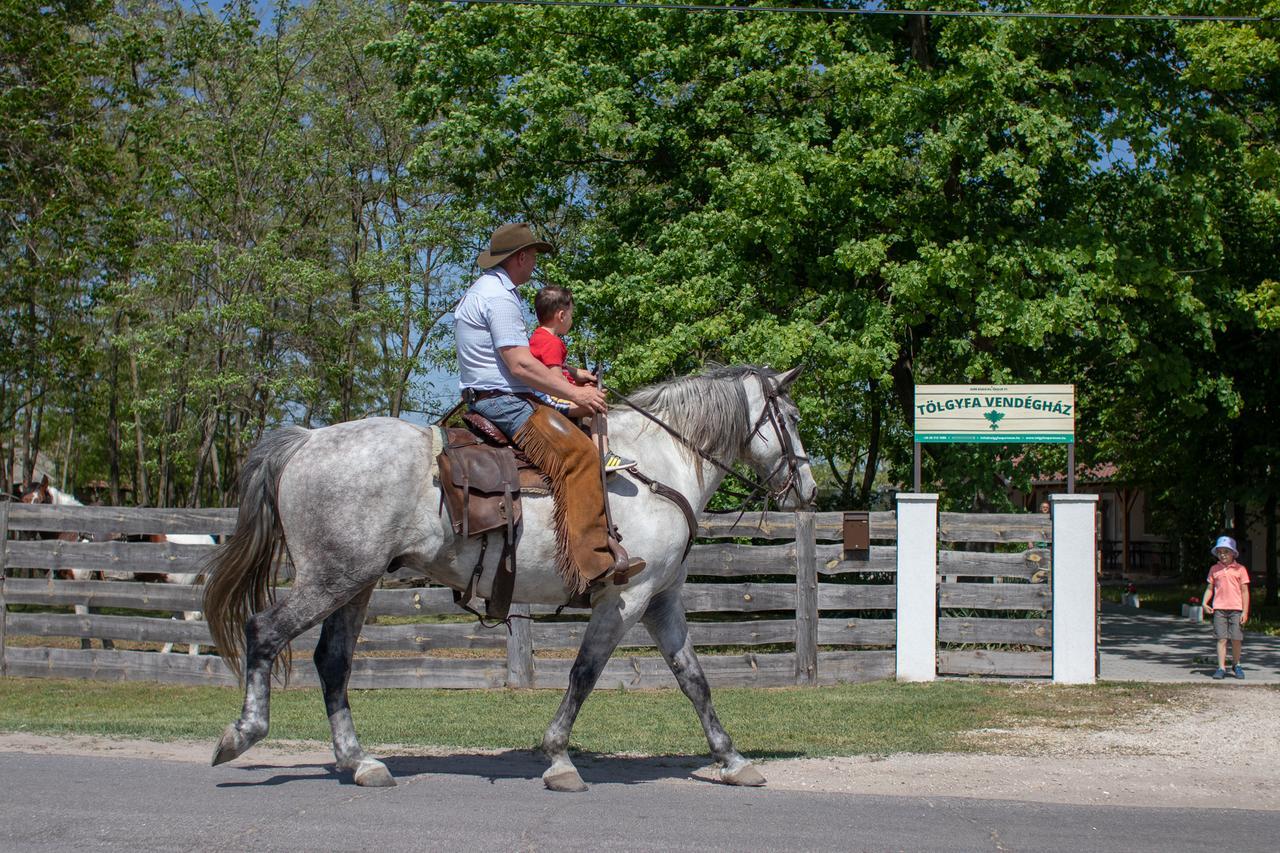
<point x="74" y="802"/>
<point x="496" y="802"/>
<point x="1141" y="645"/>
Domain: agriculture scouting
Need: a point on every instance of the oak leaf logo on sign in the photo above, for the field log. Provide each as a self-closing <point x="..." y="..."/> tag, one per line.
<point x="995" y="418"/>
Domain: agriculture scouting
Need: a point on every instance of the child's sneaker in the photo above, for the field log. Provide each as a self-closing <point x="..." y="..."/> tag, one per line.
<point x="1237" y="671"/>
<point x="1220" y="674"/>
<point x="614" y="462"/>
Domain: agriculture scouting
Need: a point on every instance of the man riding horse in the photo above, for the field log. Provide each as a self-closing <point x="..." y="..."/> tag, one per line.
<point x="499" y="378"/>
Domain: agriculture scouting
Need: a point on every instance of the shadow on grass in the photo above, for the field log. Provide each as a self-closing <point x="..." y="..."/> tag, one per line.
<point x="595" y="768"/>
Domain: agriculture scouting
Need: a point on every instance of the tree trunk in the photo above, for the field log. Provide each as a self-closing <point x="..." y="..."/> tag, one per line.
<point x="113" y="422"/>
<point x="39" y="428"/>
<point x="873" y="448"/>
<point x="921" y="50"/>
<point x="143" y="493"/>
<point x="1240" y="529"/>
<point x="1269" y="516"/>
<point x="5" y="447"/>
<point x="66" y="473"/>
<point x="209" y="432"/>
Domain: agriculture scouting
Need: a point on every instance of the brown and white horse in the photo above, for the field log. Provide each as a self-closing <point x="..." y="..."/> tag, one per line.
<point x="43" y="493"/>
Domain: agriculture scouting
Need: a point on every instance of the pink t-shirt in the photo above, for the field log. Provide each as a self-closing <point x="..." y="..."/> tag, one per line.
<point x="1228" y="583"/>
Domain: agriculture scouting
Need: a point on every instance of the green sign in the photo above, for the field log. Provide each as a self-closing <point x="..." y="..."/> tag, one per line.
<point x="995" y="413"/>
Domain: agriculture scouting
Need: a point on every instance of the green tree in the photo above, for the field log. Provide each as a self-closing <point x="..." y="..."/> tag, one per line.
<point x="892" y="201"/>
<point x="54" y="179"/>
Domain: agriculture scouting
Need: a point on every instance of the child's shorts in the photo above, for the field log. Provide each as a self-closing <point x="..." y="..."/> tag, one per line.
<point x="1226" y="625"/>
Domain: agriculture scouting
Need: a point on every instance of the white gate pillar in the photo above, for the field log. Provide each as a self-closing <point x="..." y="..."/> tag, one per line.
<point x="1075" y="609"/>
<point x="917" y="616"/>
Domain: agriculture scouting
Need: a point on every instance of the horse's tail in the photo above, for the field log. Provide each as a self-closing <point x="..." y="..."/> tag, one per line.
<point x="239" y="572"/>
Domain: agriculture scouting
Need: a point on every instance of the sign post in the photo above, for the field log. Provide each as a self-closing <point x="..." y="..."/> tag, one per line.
<point x="1005" y="414"/>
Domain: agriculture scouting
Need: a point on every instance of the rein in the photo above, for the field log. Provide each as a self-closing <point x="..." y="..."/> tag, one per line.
<point x="771" y="414"/>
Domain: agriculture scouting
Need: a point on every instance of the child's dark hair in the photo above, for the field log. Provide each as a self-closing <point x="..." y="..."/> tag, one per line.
<point x="551" y="299"/>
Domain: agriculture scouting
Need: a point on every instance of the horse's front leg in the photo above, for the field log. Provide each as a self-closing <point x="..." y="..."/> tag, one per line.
<point x="666" y="623"/>
<point x="603" y="634"/>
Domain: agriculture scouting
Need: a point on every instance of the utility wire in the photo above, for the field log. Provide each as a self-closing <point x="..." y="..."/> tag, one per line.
<point x="918" y="13"/>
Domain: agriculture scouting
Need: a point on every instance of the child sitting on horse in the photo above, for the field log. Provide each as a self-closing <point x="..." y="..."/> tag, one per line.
<point x="554" y="308"/>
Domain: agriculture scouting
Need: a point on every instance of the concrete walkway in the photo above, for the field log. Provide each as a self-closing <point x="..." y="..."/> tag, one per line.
<point x="1141" y="645"/>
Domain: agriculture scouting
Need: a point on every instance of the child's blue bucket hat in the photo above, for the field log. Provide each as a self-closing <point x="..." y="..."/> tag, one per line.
<point x="1226" y="542"/>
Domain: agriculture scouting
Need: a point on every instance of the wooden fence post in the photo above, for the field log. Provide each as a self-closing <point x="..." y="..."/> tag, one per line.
<point x="4" y="570"/>
<point x="806" y="599"/>
<point x="520" y="648"/>
<point x="1075" y="621"/>
<point x="917" y="614"/>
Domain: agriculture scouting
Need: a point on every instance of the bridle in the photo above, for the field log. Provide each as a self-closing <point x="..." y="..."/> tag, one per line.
<point x="770" y="414"/>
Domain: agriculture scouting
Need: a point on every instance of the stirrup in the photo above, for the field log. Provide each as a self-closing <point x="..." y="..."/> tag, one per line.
<point x="621" y="576"/>
<point x="624" y="566"/>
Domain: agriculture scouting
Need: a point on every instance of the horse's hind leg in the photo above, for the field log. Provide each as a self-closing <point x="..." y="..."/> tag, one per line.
<point x="604" y="631"/>
<point x="665" y="621"/>
<point x="333" y="662"/>
<point x="266" y="634"/>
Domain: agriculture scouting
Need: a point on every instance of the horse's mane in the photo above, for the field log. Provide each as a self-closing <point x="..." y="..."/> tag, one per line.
<point x="708" y="408"/>
<point x="61" y="498"/>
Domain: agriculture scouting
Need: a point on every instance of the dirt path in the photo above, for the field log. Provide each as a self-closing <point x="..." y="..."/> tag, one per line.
<point x="1216" y="748"/>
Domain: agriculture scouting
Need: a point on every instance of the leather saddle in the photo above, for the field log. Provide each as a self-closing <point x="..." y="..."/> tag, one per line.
<point x="481" y="480"/>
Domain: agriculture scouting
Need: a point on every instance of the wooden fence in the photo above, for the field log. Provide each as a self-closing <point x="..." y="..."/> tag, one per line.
<point x="772" y="600"/>
<point x="994" y="607"/>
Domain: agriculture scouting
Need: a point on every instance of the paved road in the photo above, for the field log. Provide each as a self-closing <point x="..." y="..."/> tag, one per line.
<point x="1141" y="645"/>
<point x="74" y="802"/>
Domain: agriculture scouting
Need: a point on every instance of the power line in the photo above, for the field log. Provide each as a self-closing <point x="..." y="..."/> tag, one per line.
<point x="918" y="13"/>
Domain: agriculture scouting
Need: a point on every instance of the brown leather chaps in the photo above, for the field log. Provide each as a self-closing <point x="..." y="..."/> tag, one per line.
<point x="566" y="455"/>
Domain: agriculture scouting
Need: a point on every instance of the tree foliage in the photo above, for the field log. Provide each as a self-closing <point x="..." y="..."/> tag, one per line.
<point x="250" y="247"/>
<point x="894" y="201"/>
<point x="215" y="224"/>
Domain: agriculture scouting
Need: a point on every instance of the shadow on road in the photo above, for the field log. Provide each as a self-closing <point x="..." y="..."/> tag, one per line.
<point x="511" y="764"/>
<point x="1148" y="646"/>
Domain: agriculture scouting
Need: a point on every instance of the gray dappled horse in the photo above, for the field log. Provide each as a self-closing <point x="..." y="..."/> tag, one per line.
<point x="355" y="500"/>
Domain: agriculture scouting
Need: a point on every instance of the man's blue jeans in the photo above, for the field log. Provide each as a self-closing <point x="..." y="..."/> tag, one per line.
<point x="507" y="412"/>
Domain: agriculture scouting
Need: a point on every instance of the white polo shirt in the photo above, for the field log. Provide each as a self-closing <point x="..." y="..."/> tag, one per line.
<point x="490" y="316"/>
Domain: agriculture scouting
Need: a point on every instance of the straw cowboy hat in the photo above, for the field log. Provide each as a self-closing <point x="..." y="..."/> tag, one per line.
<point x="508" y="240"/>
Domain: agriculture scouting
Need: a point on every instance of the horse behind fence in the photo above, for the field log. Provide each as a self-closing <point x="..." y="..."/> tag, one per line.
<point x="44" y="494"/>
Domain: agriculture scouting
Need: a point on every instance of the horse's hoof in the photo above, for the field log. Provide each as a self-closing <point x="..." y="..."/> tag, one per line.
<point x="233" y="744"/>
<point x="564" y="779"/>
<point x="372" y="773"/>
<point x="746" y="776"/>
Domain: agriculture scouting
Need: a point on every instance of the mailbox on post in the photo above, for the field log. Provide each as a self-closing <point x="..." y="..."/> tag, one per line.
<point x="857" y="535"/>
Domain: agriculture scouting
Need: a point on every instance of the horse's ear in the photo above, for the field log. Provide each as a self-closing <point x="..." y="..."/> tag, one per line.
<point x="785" y="379"/>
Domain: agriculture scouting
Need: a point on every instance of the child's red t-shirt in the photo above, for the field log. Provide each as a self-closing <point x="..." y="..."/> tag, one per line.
<point x="548" y="348"/>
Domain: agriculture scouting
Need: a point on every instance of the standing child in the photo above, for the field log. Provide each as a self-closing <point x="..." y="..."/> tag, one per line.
<point x="1228" y="589"/>
<point x="554" y="307"/>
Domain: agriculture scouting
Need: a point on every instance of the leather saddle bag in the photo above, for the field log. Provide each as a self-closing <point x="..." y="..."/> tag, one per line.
<point x="480" y="484"/>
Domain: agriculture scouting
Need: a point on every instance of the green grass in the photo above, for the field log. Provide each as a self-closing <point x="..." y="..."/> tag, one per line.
<point x="876" y="718"/>
<point x="1169" y="598"/>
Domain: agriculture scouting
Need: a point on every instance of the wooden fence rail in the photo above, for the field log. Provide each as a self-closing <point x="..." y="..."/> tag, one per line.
<point x="796" y="609"/>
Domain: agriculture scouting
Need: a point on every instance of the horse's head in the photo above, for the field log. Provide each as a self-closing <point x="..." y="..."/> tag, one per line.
<point x="35" y="493"/>
<point x="774" y="450"/>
